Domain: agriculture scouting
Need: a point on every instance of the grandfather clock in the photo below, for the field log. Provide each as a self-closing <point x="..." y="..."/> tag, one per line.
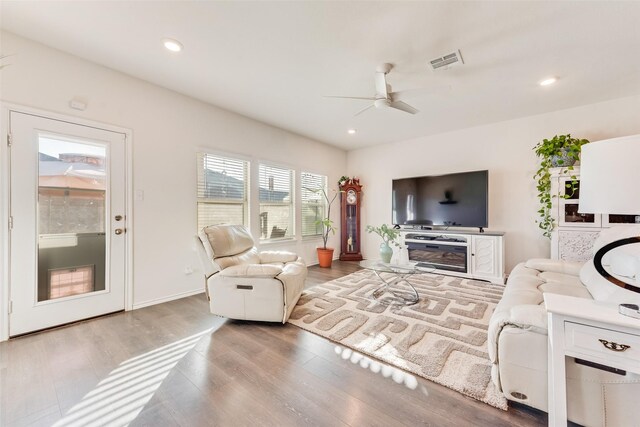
<point x="350" y="220"/>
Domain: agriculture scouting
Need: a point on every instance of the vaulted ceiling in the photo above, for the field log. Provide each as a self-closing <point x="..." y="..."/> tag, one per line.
<point x="274" y="61"/>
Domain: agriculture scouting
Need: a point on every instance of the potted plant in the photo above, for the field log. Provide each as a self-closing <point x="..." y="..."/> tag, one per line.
<point x="325" y="255"/>
<point x="389" y="235"/>
<point x="559" y="151"/>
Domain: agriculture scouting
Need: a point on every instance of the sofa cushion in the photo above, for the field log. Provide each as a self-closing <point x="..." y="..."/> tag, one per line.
<point x="565" y="289"/>
<point x="552" y="265"/>
<point x="252" y="270"/>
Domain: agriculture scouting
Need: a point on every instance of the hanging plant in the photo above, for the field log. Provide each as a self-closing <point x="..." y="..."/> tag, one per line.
<point x="559" y="151"/>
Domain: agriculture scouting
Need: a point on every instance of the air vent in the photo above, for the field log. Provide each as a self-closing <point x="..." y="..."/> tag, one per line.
<point x="446" y="61"/>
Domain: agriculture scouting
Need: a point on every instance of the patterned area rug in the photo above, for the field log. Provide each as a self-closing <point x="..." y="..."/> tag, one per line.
<point x="442" y="338"/>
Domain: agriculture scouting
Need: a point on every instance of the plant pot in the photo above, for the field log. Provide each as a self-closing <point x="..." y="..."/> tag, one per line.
<point x="562" y="160"/>
<point x="325" y="257"/>
<point x="385" y="252"/>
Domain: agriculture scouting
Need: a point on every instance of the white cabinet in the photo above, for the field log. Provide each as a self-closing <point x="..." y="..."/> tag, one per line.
<point x="468" y="254"/>
<point x="574" y="233"/>
<point x="486" y="257"/>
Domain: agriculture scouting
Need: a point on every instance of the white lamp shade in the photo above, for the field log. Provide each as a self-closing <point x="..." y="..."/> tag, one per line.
<point x="610" y="176"/>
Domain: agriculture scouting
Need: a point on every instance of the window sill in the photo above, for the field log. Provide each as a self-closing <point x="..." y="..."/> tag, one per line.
<point x="272" y="242"/>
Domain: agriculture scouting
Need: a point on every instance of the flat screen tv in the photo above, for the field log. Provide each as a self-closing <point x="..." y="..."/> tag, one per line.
<point x="453" y="200"/>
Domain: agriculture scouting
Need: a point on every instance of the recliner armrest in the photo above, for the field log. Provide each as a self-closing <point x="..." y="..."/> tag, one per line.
<point x="209" y="267"/>
<point x="267" y="257"/>
<point x="294" y="269"/>
<point x="252" y="270"/>
<point x="555" y="266"/>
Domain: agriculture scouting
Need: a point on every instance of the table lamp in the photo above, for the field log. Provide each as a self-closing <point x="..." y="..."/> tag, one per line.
<point x="610" y="184"/>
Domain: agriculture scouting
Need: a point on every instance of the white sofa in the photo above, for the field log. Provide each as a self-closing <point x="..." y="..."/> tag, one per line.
<point x="245" y="284"/>
<point x="518" y="342"/>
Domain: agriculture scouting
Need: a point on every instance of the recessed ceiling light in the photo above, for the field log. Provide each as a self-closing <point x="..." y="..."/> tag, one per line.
<point x="351" y="131"/>
<point x="172" y="45"/>
<point x="549" y="81"/>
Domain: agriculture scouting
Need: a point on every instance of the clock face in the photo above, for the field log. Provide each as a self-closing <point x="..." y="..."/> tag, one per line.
<point x="351" y="197"/>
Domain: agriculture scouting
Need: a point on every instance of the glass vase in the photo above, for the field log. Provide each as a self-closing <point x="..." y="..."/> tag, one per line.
<point x="385" y="252"/>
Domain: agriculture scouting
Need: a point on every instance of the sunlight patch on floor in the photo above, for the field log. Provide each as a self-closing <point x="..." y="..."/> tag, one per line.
<point x="120" y="397"/>
<point x="397" y="375"/>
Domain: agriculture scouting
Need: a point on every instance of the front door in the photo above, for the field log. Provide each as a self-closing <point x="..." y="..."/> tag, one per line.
<point x="67" y="207"/>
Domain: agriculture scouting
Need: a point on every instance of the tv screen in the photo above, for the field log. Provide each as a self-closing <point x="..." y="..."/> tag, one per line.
<point x="457" y="199"/>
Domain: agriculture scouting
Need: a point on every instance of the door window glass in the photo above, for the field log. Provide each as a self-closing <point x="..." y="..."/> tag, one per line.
<point x="72" y="190"/>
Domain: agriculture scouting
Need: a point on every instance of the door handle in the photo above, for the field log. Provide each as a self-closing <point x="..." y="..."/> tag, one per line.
<point x="119" y="231"/>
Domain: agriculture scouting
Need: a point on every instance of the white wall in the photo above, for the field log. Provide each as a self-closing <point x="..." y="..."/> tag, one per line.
<point x="505" y="149"/>
<point x="168" y="128"/>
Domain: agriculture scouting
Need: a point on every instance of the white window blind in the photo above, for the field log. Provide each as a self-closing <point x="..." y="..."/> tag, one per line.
<point x="314" y="205"/>
<point x="222" y="190"/>
<point x="276" y="202"/>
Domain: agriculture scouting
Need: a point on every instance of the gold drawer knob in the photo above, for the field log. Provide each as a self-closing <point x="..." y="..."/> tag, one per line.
<point x="614" y="346"/>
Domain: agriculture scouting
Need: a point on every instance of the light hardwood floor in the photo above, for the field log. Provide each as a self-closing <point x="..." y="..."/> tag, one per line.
<point x="176" y="364"/>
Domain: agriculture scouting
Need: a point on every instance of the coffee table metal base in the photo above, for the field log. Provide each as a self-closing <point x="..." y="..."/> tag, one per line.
<point x="391" y="292"/>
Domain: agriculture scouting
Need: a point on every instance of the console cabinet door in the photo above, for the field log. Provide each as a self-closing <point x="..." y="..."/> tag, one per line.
<point x="484" y="256"/>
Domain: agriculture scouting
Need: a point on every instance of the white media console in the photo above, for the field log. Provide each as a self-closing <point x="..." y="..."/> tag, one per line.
<point x="469" y="254"/>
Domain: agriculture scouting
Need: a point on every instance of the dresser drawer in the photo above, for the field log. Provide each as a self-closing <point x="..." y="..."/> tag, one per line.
<point x="607" y="345"/>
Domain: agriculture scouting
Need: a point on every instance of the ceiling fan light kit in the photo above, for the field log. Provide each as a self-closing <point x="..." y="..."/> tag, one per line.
<point x="382" y="103"/>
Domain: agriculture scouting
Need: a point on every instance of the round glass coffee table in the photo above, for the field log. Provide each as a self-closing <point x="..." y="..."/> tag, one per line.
<point x="395" y="288"/>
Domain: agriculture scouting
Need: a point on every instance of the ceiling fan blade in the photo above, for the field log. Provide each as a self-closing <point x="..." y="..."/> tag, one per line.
<point x="403" y="106"/>
<point x="349" y="97"/>
<point x="412" y="93"/>
<point x="363" y="110"/>
<point x="381" y="85"/>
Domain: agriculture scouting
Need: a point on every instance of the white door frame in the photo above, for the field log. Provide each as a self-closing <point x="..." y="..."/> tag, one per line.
<point x="5" y="194"/>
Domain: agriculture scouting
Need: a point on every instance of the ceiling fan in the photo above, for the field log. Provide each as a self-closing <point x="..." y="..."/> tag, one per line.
<point x="384" y="97"/>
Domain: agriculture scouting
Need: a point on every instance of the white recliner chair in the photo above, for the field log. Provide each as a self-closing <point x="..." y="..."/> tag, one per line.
<point x="242" y="283"/>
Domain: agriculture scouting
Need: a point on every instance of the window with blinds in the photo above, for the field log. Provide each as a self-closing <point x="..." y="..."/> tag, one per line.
<point x="223" y="190"/>
<point x="276" y="202"/>
<point x="313" y="203"/>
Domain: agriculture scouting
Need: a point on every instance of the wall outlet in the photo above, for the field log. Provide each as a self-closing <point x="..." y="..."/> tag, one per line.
<point x="188" y="270"/>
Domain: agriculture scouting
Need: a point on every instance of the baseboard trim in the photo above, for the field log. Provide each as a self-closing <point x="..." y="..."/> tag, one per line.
<point x="337" y="258"/>
<point x="167" y="299"/>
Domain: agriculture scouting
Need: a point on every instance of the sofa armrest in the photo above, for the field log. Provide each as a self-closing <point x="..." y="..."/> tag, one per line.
<point x="268" y="257"/>
<point x="555" y="266"/>
<point x="521" y="309"/>
<point x="252" y="270"/>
